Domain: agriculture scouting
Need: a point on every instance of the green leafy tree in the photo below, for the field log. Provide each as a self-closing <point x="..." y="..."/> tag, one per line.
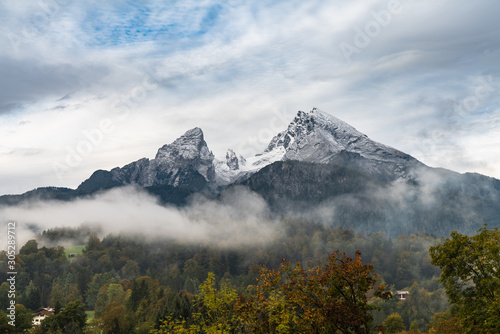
<point x="266" y="312"/>
<point x="31" y="297"/>
<point x="215" y="311"/>
<point x="414" y="326"/>
<point x="108" y="294"/>
<point x="130" y="270"/>
<point x="5" y="328"/>
<point x="30" y="247"/>
<point x="115" y="319"/>
<point x="445" y="323"/>
<point x="216" y="306"/>
<point x="175" y="326"/>
<point x="58" y="295"/>
<point x="73" y="293"/>
<point x="71" y="320"/>
<point x="24" y="319"/>
<point x="394" y="324"/>
<point x="143" y="297"/>
<point x="104" y="264"/>
<point x="173" y="305"/>
<point x="139" y="292"/>
<point x="57" y="307"/>
<point x="471" y="276"/>
<point x="4" y="298"/>
<point x="75" y="312"/>
<point x="94" y="244"/>
<point x="98" y="281"/>
<point x="193" y="270"/>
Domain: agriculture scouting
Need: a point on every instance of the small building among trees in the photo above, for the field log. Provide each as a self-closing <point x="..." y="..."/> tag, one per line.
<point x="402" y="294"/>
<point x="41" y="314"/>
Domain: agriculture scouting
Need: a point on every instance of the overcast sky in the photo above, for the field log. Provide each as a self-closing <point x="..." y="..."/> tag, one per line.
<point x="87" y="85"/>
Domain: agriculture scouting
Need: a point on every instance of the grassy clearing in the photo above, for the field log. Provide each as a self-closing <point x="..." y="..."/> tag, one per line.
<point x="74" y="250"/>
<point x="90" y="315"/>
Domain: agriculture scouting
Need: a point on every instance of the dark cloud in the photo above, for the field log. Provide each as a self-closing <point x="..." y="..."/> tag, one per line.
<point x="25" y="82"/>
<point x="9" y="107"/>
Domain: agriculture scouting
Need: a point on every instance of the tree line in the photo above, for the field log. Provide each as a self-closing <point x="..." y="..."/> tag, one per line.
<point x="139" y="286"/>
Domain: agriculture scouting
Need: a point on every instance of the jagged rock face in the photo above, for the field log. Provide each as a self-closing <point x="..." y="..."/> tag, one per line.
<point x="186" y="162"/>
<point x="232" y="160"/>
<point x="189" y="151"/>
<point x="133" y="173"/>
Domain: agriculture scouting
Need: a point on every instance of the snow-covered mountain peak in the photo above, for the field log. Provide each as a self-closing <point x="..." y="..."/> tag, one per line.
<point x="304" y="124"/>
<point x="320" y="137"/>
<point x="331" y="122"/>
<point x="188" y="146"/>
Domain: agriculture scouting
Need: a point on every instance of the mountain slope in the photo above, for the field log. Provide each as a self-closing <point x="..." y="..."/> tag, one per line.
<point x="347" y="198"/>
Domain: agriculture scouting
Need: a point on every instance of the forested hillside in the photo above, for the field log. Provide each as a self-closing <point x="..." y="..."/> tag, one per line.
<point x="137" y="285"/>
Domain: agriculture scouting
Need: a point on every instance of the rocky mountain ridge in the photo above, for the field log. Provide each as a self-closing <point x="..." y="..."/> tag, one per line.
<point x="314" y="137"/>
<point x="176" y="164"/>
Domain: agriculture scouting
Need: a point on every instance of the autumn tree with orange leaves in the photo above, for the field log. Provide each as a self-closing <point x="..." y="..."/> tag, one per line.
<point x="330" y="297"/>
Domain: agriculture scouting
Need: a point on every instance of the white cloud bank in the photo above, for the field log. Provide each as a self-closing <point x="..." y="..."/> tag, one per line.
<point x="240" y="218"/>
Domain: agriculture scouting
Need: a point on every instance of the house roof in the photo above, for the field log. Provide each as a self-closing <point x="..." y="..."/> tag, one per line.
<point x="45" y="311"/>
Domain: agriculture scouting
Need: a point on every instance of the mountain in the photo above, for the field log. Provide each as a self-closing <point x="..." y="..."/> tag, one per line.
<point x="185" y="163"/>
<point x="318" y="137"/>
<point x="319" y="167"/>
<point x="321" y="138"/>
<point x="314" y="137"/>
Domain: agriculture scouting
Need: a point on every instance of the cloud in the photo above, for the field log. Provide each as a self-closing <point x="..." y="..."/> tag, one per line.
<point x="25" y="151"/>
<point x="239" y="218"/>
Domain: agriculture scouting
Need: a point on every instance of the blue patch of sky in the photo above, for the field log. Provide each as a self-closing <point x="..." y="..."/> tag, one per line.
<point x="209" y="19"/>
<point x="138" y="22"/>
